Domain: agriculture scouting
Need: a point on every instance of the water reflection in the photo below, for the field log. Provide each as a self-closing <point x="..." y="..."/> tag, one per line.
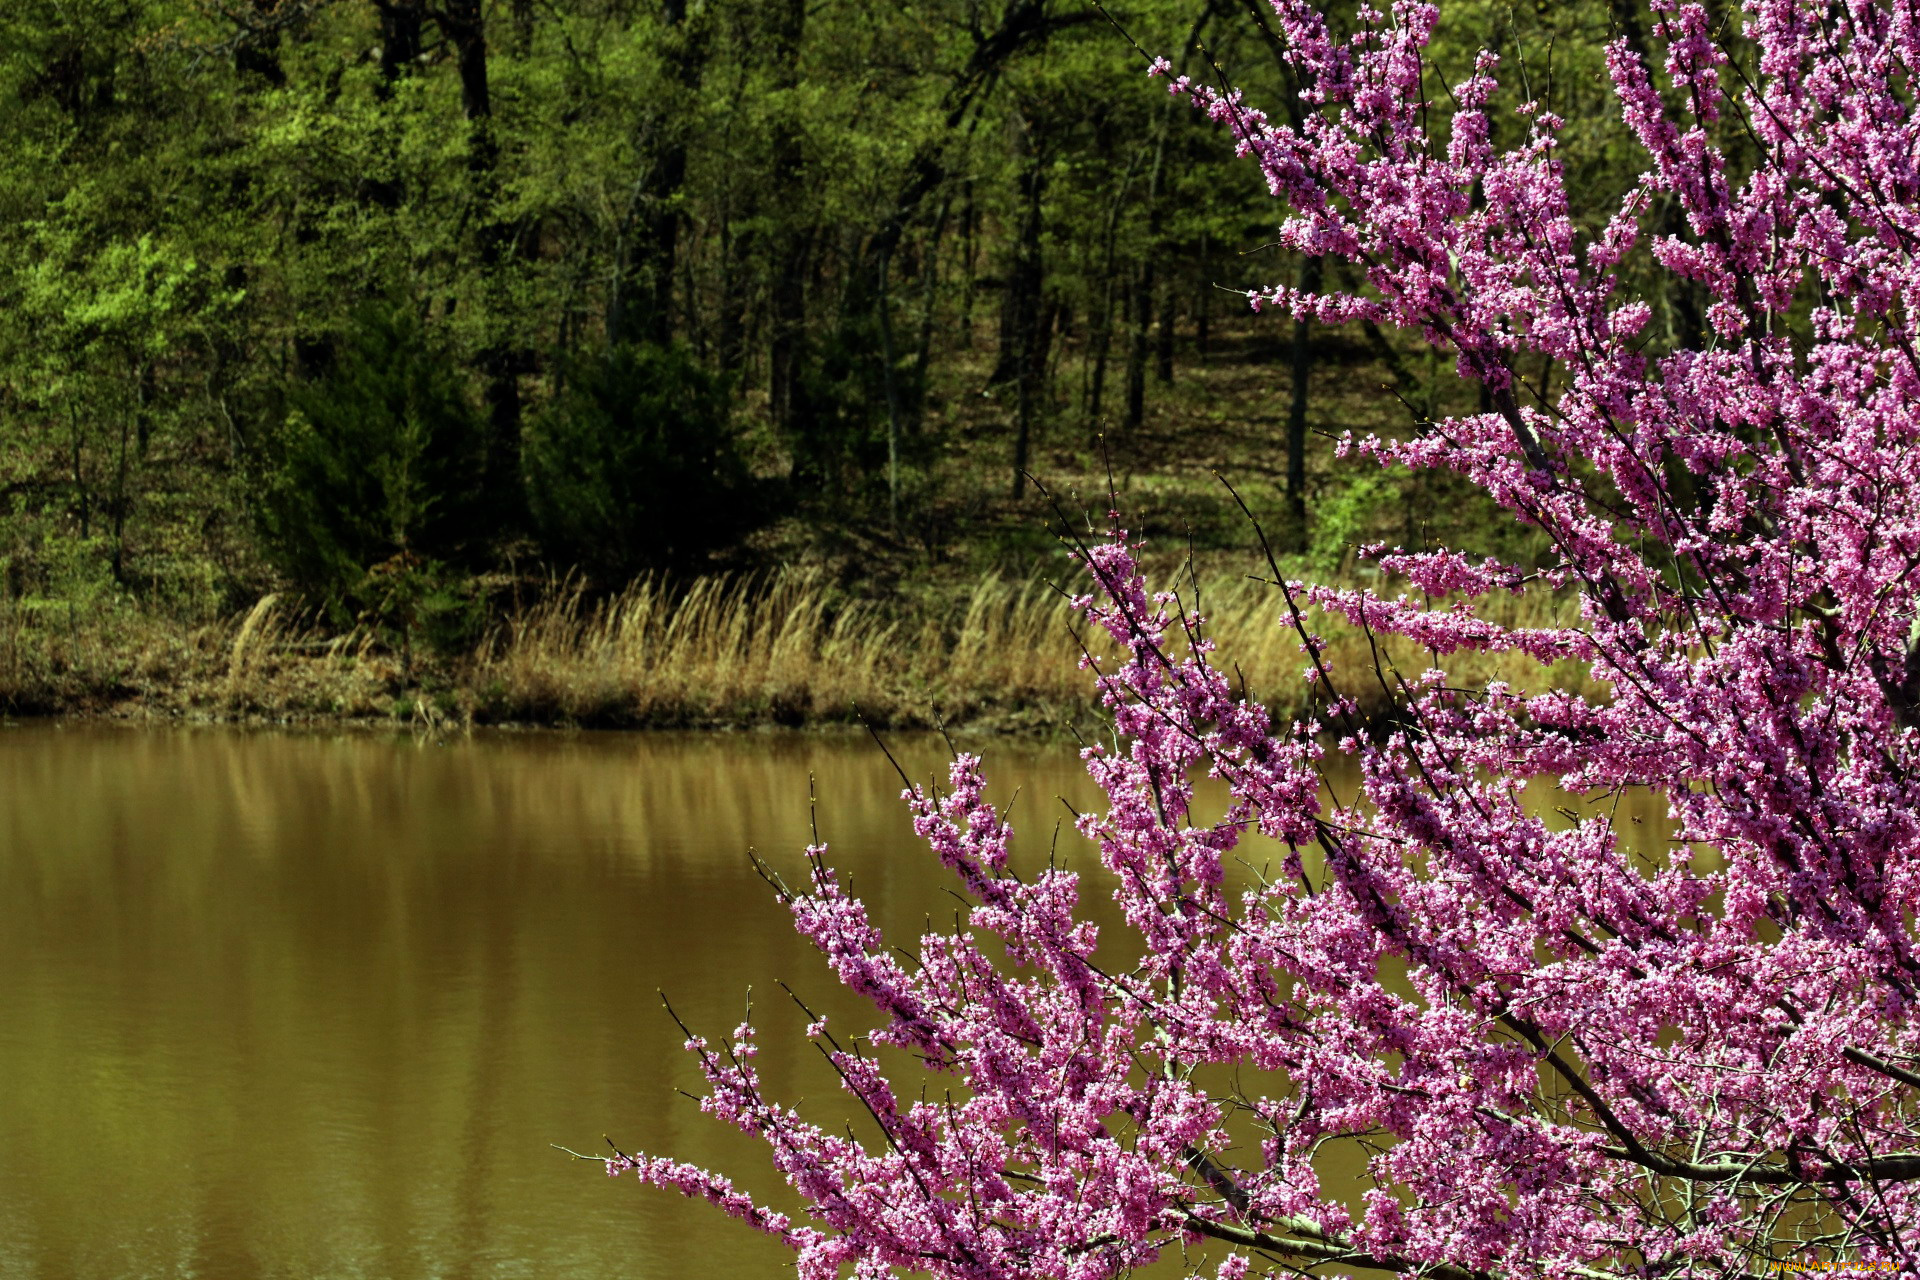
<point x="316" y="1006"/>
<point x="305" y="1006"/>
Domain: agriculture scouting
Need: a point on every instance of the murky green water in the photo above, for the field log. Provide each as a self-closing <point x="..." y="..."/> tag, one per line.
<point x="320" y="1006"/>
<point x="308" y="1006"/>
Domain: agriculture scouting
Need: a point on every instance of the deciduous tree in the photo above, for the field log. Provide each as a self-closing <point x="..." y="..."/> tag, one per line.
<point x="1561" y="1055"/>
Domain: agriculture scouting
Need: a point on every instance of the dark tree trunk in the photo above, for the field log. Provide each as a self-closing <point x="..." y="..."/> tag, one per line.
<point x="641" y="307"/>
<point x="968" y="224"/>
<point x="929" y="305"/>
<point x="892" y="393"/>
<point x="1144" y="279"/>
<point x="1020" y="303"/>
<point x="400" y="46"/>
<point x="1137" y="350"/>
<point x="522" y="28"/>
<point x="1056" y="322"/>
<point x="736" y="256"/>
<point x="466" y="27"/>
<point x="786" y="335"/>
<point x="1163" y="335"/>
<point x="400" y="41"/>
<point x="258" y="53"/>
<point x="82" y="491"/>
<point x="1141" y="308"/>
<point x="691" y="322"/>
<point x="1097" y="375"/>
<point x="660" y="251"/>
<point x="1121" y="316"/>
<point x="312" y="356"/>
<point x="792" y="240"/>
<point x="1023" y="329"/>
<point x="1111" y="299"/>
<point x="1202" y="301"/>
<point x="463" y="22"/>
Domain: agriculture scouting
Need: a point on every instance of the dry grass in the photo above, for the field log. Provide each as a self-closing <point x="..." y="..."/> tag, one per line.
<point x="778" y="649"/>
<point x="781" y="648"/>
<point x="269" y="663"/>
<point x="795" y="646"/>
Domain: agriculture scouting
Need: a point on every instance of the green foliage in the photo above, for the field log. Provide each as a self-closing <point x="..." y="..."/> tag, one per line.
<point x="381" y="460"/>
<point x="1345" y="517"/>
<point x="837" y="434"/>
<point x="411" y="602"/>
<point x="635" y="465"/>
<point x="197" y="201"/>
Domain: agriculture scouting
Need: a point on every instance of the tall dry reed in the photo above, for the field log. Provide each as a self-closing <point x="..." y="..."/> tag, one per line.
<point x="764" y="647"/>
<point x="784" y="647"/>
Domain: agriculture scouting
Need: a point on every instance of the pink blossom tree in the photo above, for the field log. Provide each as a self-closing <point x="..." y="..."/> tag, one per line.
<point x="1558" y="1056"/>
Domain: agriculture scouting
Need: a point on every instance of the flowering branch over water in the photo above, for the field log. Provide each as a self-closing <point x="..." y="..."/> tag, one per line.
<point x="1551" y="1054"/>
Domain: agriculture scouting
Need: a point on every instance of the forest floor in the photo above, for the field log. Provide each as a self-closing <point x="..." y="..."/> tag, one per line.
<point x="957" y="616"/>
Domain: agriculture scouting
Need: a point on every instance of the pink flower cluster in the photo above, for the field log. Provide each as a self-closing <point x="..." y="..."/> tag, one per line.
<point x="1547" y="1053"/>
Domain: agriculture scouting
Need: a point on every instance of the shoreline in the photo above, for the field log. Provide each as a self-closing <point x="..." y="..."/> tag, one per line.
<point x="781" y="651"/>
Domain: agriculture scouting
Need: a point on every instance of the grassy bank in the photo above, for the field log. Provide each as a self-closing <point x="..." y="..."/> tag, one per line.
<point x="940" y="616"/>
<point x="786" y="647"/>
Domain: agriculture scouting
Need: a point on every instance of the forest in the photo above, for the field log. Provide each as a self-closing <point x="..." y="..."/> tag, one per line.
<point x="377" y="357"/>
